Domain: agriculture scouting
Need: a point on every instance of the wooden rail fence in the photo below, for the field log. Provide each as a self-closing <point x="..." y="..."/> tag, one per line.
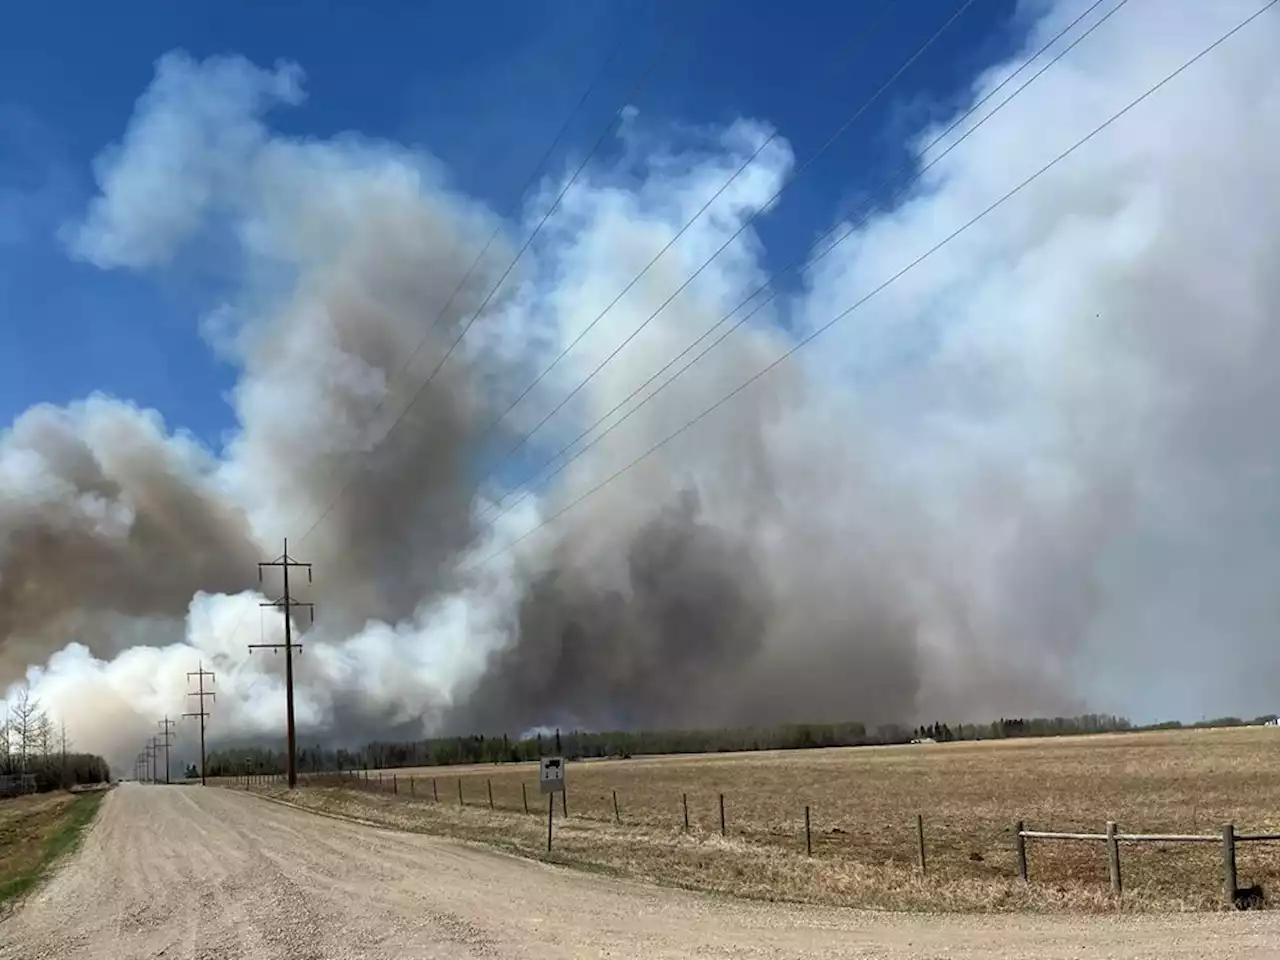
<point x="1113" y="838"/>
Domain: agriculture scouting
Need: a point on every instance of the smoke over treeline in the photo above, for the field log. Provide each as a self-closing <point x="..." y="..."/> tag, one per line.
<point x="1031" y="464"/>
<point x="577" y="744"/>
<point x="473" y="749"/>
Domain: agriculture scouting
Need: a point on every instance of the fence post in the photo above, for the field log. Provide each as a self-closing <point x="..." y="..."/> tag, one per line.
<point x="1113" y="858"/>
<point x="1020" y="848"/>
<point x="808" y="838"/>
<point x="920" y="841"/>
<point x="435" y="792"/>
<point x="616" y="815"/>
<point x="684" y="798"/>
<point x="489" y="783"/>
<point x="413" y="792"/>
<point x="722" y="831"/>
<point x="1229" y="862"/>
<point x="395" y="784"/>
<point x="524" y="797"/>
<point x="461" y="803"/>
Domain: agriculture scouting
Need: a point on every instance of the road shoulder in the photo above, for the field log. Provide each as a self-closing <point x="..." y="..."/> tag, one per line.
<point x="36" y="834"/>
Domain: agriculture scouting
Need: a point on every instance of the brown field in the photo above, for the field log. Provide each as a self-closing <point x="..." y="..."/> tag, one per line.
<point x="863" y="804"/>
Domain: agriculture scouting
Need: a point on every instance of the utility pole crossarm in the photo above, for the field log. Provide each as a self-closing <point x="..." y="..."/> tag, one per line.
<point x="287" y="604"/>
<point x="202" y="712"/>
<point x="166" y="732"/>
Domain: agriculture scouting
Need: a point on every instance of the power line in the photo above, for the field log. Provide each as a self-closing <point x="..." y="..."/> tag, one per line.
<point x="766" y="205"/>
<point x="286" y="603"/>
<point x="807" y="257"/>
<point x="200" y="693"/>
<point x="812" y="158"/>
<point x="538" y="169"/>
<point x="636" y="87"/>
<point x="639" y="84"/>
<point x="910" y="266"/>
<point x="698" y="214"/>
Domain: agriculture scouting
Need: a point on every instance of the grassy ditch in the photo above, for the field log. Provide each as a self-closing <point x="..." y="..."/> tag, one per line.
<point x="35" y="832"/>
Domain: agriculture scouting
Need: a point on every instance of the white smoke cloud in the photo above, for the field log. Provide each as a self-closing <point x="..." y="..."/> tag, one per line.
<point x="1085" y="371"/>
<point x="1030" y="466"/>
<point x="185" y="151"/>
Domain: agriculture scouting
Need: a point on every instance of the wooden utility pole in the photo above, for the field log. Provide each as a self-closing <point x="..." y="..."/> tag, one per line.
<point x="151" y="755"/>
<point x="200" y="710"/>
<point x="287" y="603"/>
<point x="166" y="730"/>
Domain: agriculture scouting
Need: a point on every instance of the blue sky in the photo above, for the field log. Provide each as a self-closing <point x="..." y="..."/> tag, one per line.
<point x="483" y="87"/>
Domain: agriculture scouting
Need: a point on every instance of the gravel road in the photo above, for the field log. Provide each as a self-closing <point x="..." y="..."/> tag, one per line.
<point x="186" y="873"/>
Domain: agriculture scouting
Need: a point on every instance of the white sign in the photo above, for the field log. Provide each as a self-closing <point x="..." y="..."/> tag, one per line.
<point x="551" y="775"/>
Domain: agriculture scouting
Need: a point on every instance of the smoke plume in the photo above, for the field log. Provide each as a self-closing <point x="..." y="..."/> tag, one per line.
<point x="1033" y="464"/>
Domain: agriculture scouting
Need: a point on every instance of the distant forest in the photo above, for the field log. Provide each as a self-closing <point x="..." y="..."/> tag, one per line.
<point x="577" y="744"/>
<point x="35" y="755"/>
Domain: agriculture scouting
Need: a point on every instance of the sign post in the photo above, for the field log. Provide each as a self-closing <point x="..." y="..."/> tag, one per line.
<point x="551" y="782"/>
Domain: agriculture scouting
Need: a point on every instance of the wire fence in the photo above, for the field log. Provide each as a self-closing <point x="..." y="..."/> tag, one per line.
<point x="929" y="843"/>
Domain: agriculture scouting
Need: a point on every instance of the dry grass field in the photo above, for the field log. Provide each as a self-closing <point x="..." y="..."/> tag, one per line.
<point x="863" y="804"/>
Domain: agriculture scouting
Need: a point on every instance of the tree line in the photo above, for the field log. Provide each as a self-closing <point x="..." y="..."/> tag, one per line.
<point x="35" y="754"/>
<point x="1006" y="728"/>
<point x="579" y="744"/>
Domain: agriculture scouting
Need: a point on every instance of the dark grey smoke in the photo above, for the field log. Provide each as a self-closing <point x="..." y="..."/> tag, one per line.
<point x="102" y="522"/>
<point x="666" y="647"/>
<point x="394" y="516"/>
<point x="696" y="633"/>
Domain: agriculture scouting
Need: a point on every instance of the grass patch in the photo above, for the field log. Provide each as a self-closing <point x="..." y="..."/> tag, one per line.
<point x="35" y="832"/>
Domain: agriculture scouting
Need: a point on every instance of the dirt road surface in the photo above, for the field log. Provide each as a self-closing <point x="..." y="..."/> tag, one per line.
<point x="186" y="873"/>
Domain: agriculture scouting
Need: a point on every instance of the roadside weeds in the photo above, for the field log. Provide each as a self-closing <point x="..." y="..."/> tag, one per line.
<point x="34" y="839"/>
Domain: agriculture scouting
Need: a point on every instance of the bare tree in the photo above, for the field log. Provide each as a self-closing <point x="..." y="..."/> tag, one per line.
<point x="25" y="722"/>
<point x="63" y="743"/>
<point x="43" y="736"/>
